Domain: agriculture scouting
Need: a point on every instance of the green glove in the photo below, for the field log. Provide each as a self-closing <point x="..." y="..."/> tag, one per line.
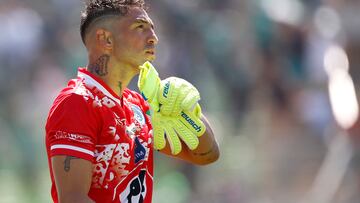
<point x="177" y="94"/>
<point x="186" y="127"/>
<point x="175" y="109"/>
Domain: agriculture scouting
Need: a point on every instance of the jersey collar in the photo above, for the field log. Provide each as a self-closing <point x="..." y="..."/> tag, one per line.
<point x="92" y="80"/>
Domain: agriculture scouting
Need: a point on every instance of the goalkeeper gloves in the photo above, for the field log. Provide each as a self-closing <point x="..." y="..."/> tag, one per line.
<point x="176" y="111"/>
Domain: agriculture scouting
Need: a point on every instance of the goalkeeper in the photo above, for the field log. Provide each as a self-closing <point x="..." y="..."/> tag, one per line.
<point x="100" y="136"/>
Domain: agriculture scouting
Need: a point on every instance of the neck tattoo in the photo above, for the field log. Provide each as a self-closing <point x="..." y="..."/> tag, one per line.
<point x="120" y="87"/>
<point x="100" y="67"/>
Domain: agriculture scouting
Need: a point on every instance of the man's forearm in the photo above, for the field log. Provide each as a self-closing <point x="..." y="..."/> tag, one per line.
<point x="208" y="150"/>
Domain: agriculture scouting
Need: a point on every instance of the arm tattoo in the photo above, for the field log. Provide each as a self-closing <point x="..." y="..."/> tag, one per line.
<point x="205" y="153"/>
<point x="100" y="67"/>
<point x="67" y="162"/>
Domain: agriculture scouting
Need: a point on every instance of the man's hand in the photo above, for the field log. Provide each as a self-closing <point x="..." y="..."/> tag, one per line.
<point x="175" y="107"/>
<point x="207" y="152"/>
<point x="187" y="127"/>
<point x="175" y="95"/>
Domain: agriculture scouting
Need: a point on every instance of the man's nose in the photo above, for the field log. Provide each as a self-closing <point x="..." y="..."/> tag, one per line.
<point x="153" y="39"/>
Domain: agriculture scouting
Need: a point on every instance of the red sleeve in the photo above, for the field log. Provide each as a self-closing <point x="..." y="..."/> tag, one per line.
<point x="72" y="128"/>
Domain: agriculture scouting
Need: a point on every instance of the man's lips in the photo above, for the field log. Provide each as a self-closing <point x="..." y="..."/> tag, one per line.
<point x="152" y="52"/>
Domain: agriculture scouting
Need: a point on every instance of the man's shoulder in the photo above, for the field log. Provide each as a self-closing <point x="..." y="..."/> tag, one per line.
<point x="72" y="92"/>
<point x="130" y="93"/>
<point x="74" y="96"/>
<point x="68" y="101"/>
<point x="133" y="97"/>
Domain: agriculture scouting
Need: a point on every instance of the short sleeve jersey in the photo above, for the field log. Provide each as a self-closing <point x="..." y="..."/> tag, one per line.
<point x="89" y="121"/>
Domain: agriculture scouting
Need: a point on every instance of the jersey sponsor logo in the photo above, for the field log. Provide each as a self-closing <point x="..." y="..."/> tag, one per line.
<point x="166" y="89"/>
<point x="139" y="151"/>
<point x="135" y="191"/>
<point x="190" y="121"/>
<point x="138" y="114"/>
<point x="74" y="137"/>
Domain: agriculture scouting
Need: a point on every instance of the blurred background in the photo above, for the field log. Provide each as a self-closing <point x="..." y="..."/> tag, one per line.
<point x="263" y="68"/>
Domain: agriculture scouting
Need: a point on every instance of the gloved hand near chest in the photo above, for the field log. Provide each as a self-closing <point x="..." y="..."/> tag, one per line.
<point x="176" y="112"/>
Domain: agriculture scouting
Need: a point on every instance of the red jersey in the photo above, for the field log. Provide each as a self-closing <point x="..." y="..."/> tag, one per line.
<point x="89" y="121"/>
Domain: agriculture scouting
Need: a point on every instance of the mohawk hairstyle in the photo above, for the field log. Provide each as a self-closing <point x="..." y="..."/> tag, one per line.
<point x="98" y="8"/>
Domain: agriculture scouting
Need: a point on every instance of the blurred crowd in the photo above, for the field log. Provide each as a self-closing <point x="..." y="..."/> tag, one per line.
<point x="259" y="65"/>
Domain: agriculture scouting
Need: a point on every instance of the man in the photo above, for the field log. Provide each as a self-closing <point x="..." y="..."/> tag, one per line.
<point x="99" y="137"/>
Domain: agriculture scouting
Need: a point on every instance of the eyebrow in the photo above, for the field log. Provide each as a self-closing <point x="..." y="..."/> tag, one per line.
<point x="143" y="20"/>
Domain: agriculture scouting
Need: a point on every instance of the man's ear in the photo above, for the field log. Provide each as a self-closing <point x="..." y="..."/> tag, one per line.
<point x="104" y="39"/>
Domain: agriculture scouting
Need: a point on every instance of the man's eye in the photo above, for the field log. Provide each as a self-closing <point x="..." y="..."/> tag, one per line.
<point x="140" y="26"/>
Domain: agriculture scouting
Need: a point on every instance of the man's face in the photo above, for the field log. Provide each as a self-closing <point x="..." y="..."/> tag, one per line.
<point x="134" y="38"/>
